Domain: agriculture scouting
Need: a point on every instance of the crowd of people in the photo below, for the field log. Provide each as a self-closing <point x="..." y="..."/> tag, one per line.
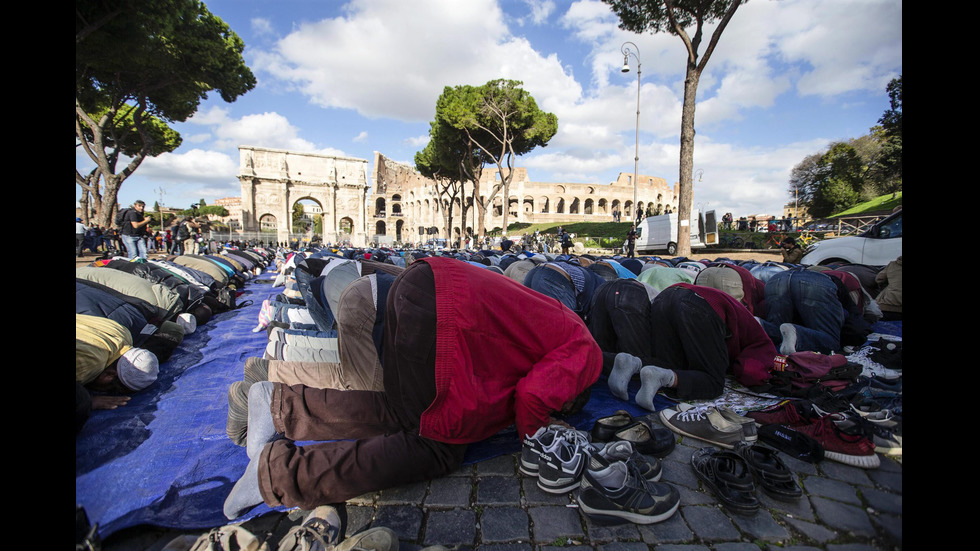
<point x="388" y="355"/>
<point x="395" y="360"/>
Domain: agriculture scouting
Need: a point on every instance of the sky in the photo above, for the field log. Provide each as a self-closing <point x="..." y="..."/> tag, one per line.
<point x="787" y="78"/>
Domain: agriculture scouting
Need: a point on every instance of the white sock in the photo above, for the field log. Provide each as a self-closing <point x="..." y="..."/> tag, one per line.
<point x="788" y="331"/>
<point x="652" y="379"/>
<point x="624" y="367"/>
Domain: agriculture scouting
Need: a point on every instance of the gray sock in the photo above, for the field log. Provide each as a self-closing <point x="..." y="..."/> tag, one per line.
<point x="246" y="493"/>
<point x="788" y="331"/>
<point x="652" y="379"/>
<point x="261" y="429"/>
<point x="624" y="367"/>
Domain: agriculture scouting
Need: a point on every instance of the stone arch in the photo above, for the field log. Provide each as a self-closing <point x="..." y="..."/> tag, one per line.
<point x="379" y="206"/>
<point x="268" y="221"/>
<point x="528" y="204"/>
<point x="574" y="207"/>
<point x="346" y="225"/>
<point x="589" y="204"/>
<point x="559" y="188"/>
<point x="399" y="228"/>
<point x="380" y="228"/>
<point x="603" y="206"/>
<point x="544" y="204"/>
<point x="560" y="206"/>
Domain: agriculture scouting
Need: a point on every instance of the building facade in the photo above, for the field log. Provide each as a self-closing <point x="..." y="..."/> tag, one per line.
<point x="406" y="207"/>
<point x="274" y="180"/>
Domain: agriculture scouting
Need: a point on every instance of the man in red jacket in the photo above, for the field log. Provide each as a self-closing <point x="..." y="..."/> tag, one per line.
<point x="466" y="353"/>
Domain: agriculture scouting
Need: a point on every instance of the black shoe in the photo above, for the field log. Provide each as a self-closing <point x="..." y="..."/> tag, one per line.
<point x="618" y="493"/>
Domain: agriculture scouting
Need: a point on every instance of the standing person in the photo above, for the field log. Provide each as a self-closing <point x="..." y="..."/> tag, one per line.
<point x="132" y="230"/>
<point x="630" y="242"/>
<point x="80" y="230"/>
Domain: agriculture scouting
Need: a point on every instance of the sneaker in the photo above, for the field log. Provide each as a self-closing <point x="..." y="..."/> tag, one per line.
<point x="788" y="412"/>
<point x="621" y="450"/>
<point x="851" y="449"/>
<point x="703" y="423"/>
<point x="618" y="493"/>
<point x="535" y="445"/>
<point x="882" y="428"/>
<point x="373" y="539"/>
<point x="561" y="465"/>
<point x="322" y="529"/>
<point x="750" y="433"/>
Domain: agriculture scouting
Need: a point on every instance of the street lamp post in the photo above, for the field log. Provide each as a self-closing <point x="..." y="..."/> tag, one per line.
<point x="635" y="52"/>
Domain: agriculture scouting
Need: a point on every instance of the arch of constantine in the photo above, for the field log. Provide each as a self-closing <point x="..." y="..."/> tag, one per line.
<point x="274" y="180"/>
<point x="405" y="207"/>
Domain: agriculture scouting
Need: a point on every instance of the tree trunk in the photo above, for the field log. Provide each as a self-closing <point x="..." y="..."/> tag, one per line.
<point x="685" y="185"/>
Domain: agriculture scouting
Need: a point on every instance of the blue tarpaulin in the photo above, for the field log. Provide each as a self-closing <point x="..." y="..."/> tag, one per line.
<point x="164" y="459"/>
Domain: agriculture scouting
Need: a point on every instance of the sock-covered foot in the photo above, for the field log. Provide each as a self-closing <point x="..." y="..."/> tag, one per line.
<point x="625" y="366"/>
<point x="245" y="494"/>
<point x="652" y="379"/>
<point x="788" y="331"/>
<point x="261" y="429"/>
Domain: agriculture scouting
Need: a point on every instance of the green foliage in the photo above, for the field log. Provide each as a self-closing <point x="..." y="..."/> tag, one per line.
<point x="478" y="125"/>
<point x="164" y="56"/>
<point x="138" y="67"/>
<point x="860" y="169"/>
<point x="640" y="16"/>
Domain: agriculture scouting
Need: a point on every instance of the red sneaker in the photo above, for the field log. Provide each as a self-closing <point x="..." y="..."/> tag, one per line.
<point x="850" y="449"/>
<point x="791" y="413"/>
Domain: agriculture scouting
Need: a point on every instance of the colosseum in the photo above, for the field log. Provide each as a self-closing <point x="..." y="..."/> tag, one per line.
<point x="409" y="208"/>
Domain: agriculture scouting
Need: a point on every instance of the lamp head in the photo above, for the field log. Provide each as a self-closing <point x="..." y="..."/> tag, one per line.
<point x="626" y="64"/>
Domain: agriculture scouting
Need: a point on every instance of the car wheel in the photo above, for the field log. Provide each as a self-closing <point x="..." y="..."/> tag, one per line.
<point x="671" y="249"/>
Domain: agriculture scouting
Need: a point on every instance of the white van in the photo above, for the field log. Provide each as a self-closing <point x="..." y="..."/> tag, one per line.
<point x="658" y="234"/>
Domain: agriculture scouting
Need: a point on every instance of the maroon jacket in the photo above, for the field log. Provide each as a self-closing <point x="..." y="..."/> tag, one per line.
<point x="505" y="354"/>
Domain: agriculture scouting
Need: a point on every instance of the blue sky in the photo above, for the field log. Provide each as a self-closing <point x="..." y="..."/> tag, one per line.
<point x="349" y="78"/>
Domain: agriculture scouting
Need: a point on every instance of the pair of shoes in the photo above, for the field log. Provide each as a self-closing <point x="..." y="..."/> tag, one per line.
<point x="621" y="450"/>
<point x="823" y="438"/>
<point x="557" y="455"/>
<point x="788" y="412"/>
<point x="224" y="538"/>
<point x="728" y="476"/>
<point x="562" y="463"/>
<point x="323" y="529"/>
<point x="773" y="476"/>
<point x="749" y="431"/>
<point x="619" y="493"/>
<point x="646" y="438"/>
<point x="705" y="423"/>
<point x="881" y="427"/>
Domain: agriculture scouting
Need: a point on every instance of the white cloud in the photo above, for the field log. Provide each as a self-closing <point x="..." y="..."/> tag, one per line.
<point x="418" y="141"/>
<point x="362" y="137"/>
<point x="540" y="10"/>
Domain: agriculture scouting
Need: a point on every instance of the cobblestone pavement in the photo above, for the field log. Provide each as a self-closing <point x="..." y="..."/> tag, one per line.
<point x="490" y="505"/>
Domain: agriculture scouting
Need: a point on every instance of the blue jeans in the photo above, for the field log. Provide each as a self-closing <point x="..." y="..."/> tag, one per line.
<point x="551" y="283"/>
<point x="808" y="300"/>
<point x="135" y="246"/>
